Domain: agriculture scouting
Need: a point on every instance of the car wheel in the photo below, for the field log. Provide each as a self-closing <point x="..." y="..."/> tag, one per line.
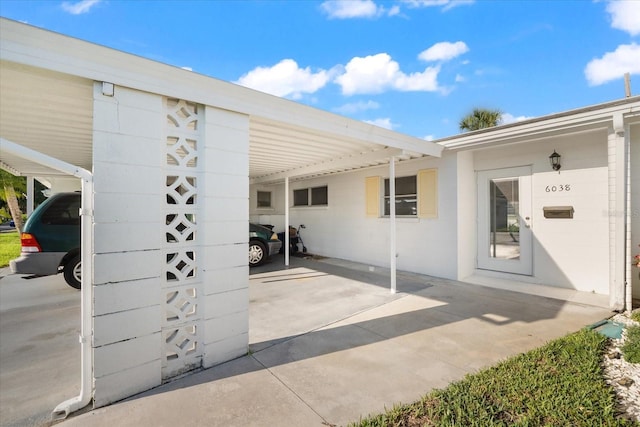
<point x="72" y="272"/>
<point x="257" y="253"/>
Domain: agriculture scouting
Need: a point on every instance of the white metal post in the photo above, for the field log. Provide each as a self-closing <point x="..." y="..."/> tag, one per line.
<point x="392" y="222"/>
<point x="286" y="222"/>
<point x="29" y="195"/>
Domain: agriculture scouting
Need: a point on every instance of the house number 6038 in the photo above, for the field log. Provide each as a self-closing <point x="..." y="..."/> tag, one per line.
<point x="557" y="188"/>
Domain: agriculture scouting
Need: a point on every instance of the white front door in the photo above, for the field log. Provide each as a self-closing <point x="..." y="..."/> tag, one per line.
<point x="504" y="220"/>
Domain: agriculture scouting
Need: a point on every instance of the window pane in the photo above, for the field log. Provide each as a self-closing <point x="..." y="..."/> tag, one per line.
<point x="264" y="199"/>
<point x="301" y="197"/>
<point x="505" y="219"/>
<point x="404" y="185"/>
<point x="405" y="206"/>
<point x="64" y="211"/>
<point x="319" y="196"/>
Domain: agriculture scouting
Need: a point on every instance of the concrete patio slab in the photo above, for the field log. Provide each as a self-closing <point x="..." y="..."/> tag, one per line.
<point x="330" y="344"/>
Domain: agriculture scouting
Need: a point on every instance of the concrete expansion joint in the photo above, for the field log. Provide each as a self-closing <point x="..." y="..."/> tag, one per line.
<point x="277" y="378"/>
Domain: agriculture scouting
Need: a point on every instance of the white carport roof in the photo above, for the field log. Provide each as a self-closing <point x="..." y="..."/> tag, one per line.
<point x="46" y="87"/>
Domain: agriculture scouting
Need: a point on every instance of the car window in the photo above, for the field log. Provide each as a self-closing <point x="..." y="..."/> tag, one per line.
<point x="63" y="211"/>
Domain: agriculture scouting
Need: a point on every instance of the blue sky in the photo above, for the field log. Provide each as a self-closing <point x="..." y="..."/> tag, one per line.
<point x="414" y="66"/>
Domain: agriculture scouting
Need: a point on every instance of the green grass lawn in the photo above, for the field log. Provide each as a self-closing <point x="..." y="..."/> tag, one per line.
<point x="559" y="384"/>
<point x="9" y="247"/>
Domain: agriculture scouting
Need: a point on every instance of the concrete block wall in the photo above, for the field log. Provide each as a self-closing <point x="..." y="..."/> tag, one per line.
<point x="128" y="176"/>
<point x="170" y="240"/>
<point x="225" y="236"/>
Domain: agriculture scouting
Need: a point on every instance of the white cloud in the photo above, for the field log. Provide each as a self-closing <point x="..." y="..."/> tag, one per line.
<point x="383" y="123"/>
<point x="80" y="7"/>
<point x="510" y="118"/>
<point x="356" y="107"/>
<point x="625" y="15"/>
<point x="429" y="137"/>
<point x="445" y="4"/>
<point x="371" y="74"/>
<point x="285" y="79"/>
<point x="460" y="78"/>
<point x="348" y="9"/>
<point x="613" y="65"/>
<point x="377" y="73"/>
<point x="395" y="10"/>
<point x="427" y="81"/>
<point x="444" y="51"/>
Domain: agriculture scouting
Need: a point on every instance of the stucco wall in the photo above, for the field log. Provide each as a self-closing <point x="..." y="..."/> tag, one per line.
<point x="343" y="230"/>
<point x="635" y="205"/>
<point x="570" y="253"/>
<point x="158" y="284"/>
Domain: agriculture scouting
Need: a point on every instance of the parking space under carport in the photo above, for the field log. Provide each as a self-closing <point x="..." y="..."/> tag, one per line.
<point x="330" y="344"/>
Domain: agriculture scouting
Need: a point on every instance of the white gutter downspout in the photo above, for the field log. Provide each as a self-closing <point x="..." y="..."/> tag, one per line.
<point x="628" y="281"/>
<point x="86" y="386"/>
<point x="286" y="222"/>
<point x="616" y="150"/>
<point x="392" y="222"/>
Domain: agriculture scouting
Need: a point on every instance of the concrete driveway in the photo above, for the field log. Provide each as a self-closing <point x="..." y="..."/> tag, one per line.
<point x="329" y="344"/>
<point x="39" y="349"/>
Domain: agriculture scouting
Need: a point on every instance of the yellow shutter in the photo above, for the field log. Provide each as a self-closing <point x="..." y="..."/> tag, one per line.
<point x="372" y="194"/>
<point x="428" y="193"/>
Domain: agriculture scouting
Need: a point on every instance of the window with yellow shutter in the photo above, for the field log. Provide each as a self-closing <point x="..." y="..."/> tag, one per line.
<point x="428" y="193"/>
<point x="416" y="195"/>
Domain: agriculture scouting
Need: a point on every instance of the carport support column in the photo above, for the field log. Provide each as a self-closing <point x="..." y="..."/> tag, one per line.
<point x="286" y="221"/>
<point x="30" y="195"/>
<point x="392" y="222"/>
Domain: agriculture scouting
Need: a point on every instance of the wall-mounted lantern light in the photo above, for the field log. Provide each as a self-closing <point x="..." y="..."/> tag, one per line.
<point x="555" y="161"/>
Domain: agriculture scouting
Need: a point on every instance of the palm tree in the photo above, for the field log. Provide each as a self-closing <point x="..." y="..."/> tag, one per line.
<point x="9" y="184"/>
<point x="480" y="118"/>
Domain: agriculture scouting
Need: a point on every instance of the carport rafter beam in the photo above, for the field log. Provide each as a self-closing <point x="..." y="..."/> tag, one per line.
<point x="7" y="146"/>
<point x="8" y="168"/>
<point x="353" y="161"/>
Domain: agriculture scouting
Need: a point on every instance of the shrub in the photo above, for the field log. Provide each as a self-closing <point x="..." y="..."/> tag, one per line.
<point x="631" y="347"/>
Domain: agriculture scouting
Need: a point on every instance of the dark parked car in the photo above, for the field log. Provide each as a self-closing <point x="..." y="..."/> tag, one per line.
<point x="263" y="243"/>
<point x="51" y="239"/>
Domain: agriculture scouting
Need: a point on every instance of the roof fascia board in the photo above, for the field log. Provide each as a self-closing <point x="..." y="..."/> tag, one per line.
<point x="24" y="44"/>
<point x="348" y="162"/>
<point x="596" y="117"/>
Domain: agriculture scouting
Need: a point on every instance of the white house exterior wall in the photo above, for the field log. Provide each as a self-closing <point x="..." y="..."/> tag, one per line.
<point x="466" y="214"/>
<point x="634" y="210"/>
<point x="147" y="306"/>
<point x="343" y="230"/>
<point x="571" y="253"/>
